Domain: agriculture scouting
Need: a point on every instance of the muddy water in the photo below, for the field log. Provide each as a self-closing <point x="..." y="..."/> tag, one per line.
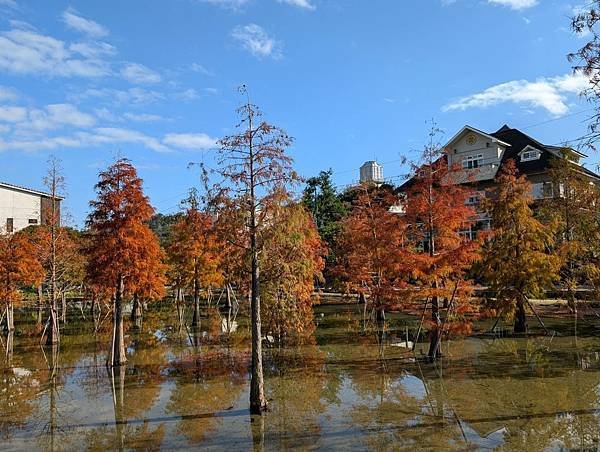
<point x="346" y="390"/>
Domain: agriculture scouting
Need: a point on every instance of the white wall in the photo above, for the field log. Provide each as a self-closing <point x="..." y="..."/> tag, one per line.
<point x="20" y="206"/>
<point x="491" y="152"/>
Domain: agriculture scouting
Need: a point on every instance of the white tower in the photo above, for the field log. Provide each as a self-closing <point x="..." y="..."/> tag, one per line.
<point x="371" y="171"/>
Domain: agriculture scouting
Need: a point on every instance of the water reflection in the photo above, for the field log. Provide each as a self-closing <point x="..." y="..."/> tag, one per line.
<point x="346" y="390"/>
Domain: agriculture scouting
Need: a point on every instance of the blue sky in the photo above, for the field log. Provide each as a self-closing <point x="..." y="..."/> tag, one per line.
<point x="351" y="80"/>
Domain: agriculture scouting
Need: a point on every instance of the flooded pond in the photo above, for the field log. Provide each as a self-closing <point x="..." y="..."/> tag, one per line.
<point x="346" y="390"/>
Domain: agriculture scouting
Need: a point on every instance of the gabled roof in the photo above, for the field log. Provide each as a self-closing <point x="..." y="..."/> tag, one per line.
<point x="477" y="131"/>
<point x="28" y="190"/>
<point x="558" y="149"/>
<point x="518" y="141"/>
<point x="515" y="142"/>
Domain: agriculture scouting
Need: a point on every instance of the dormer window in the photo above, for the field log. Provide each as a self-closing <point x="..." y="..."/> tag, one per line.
<point x="529" y="153"/>
<point x="472" y="161"/>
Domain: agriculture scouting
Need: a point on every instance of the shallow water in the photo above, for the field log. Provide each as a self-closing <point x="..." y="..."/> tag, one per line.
<point x="344" y="391"/>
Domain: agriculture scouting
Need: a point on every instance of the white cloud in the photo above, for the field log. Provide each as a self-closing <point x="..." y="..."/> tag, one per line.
<point x="188" y="94"/>
<point x="39" y="144"/>
<point x="106" y="115"/>
<point x="51" y="117"/>
<point x="87" y="26"/>
<point x="255" y="40"/>
<point x="196" y="67"/>
<point x="515" y="4"/>
<point x="138" y="73"/>
<point x="7" y="94"/>
<point x="102" y="136"/>
<point x="93" y="49"/>
<point x="55" y="116"/>
<point x="547" y="93"/>
<point x="9" y="4"/>
<point x="12" y="114"/>
<point x="228" y="4"/>
<point x="14" y="23"/>
<point x="29" y="52"/>
<point x="143" y="117"/>
<point x="111" y="135"/>
<point x="134" y="95"/>
<point x="190" y="140"/>
<point x="306" y="4"/>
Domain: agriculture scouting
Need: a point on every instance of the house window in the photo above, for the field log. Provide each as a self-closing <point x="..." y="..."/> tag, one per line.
<point x="33" y="221"/>
<point x="473" y="161"/>
<point x="530" y="155"/>
<point x="472" y="200"/>
<point x="543" y="190"/>
<point x="10" y="225"/>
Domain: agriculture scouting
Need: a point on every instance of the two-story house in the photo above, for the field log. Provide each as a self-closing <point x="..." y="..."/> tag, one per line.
<point x="480" y="155"/>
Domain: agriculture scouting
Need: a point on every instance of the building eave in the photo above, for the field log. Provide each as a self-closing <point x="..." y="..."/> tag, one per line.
<point x="29" y="191"/>
<point x="477" y="131"/>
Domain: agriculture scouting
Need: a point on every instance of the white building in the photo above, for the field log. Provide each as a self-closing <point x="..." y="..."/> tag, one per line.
<point x="371" y="171"/>
<point x="21" y="207"/>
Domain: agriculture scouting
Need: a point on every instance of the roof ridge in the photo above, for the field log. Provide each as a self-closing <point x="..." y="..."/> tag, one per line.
<point x="30" y="190"/>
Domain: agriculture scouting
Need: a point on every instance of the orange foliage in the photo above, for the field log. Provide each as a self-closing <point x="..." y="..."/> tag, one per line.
<point x="292" y="258"/>
<point x="436" y="212"/>
<point x="124" y="254"/>
<point x="194" y="249"/>
<point x="19" y="266"/>
<point x="121" y="243"/>
<point x="371" y="248"/>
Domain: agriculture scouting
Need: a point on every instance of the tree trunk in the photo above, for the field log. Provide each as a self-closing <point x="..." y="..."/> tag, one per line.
<point x="434" y="334"/>
<point x="8" y="352"/>
<point x="116" y="356"/>
<point x="257" y="425"/>
<point x="95" y="312"/>
<point x="258" y="402"/>
<point x="135" y="308"/>
<point x="229" y="308"/>
<point x="520" y="317"/>
<point x="53" y="328"/>
<point x="117" y="379"/>
<point x="178" y="303"/>
<point x="9" y="325"/>
<point x="63" y="298"/>
<point x="40" y="304"/>
<point x="380" y="317"/>
<point x="196" y="317"/>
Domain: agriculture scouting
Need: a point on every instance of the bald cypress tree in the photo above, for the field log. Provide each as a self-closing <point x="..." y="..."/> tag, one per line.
<point x="123" y="253"/>
<point x="517" y="260"/>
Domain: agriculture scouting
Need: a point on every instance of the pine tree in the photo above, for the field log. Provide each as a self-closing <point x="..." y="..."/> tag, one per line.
<point x="516" y="259"/>
<point x="327" y="208"/>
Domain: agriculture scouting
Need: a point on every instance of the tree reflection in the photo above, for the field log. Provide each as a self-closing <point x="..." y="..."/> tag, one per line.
<point x="206" y="384"/>
<point x="127" y="433"/>
<point x="18" y="387"/>
<point x="296" y="382"/>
